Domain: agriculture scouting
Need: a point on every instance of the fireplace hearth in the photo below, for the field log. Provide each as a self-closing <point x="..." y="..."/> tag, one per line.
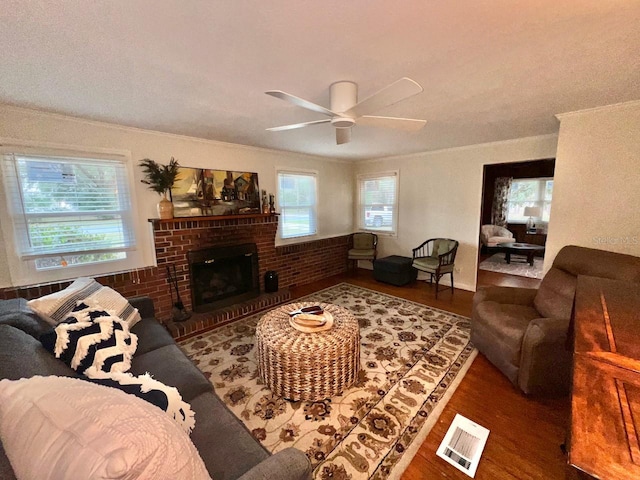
<point x="223" y="276"/>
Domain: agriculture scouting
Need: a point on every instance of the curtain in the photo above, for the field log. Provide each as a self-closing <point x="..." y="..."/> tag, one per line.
<point x="500" y="201"/>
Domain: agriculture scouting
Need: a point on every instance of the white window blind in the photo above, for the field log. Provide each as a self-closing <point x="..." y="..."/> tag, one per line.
<point x="69" y="211"/>
<point x="378" y="202"/>
<point x="297" y="204"/>
<point x="529" y="192"/>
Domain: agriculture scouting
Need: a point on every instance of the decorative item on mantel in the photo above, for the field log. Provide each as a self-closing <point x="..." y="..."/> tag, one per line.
<point x="265" y="205"/>
<point x="272" y="204"/>
<point x="160" y="179"/>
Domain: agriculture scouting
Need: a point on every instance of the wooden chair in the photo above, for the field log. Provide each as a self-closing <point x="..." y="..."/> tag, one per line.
<point x="362" y="246"/>
<point x="436" y="257"/>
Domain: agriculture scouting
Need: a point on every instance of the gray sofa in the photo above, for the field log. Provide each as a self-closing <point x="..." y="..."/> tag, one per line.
<point x="523" y="331"/>
<point x="227" y="448"/>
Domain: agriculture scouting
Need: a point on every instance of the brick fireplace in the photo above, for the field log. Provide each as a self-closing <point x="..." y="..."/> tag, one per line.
<point x="296" y="264"/>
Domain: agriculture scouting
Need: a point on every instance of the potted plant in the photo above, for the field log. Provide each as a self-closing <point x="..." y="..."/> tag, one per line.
<point x="160" y="179"/>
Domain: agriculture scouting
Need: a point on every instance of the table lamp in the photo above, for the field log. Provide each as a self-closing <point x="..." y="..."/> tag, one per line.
<point x="532" y="212"/>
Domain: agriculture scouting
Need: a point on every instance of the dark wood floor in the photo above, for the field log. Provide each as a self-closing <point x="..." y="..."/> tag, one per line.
<point x="526" y="433"/>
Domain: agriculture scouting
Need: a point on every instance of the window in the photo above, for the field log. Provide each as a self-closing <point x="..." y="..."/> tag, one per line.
<point x="378" y="202"/>
<point x="529" y="192"/>
<point x="68" y="212"/>
<point x="297" y="204"/>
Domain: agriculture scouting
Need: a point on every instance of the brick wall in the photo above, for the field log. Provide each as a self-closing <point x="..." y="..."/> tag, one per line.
<point x="296" y="264"/>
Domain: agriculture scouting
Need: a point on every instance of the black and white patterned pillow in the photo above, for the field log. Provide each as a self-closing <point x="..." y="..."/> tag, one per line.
<point x="146" y="387"/>
<point x="90" y="336"/>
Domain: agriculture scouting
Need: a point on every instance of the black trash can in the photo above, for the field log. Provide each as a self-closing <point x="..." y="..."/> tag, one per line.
<point x="271" y="281"/>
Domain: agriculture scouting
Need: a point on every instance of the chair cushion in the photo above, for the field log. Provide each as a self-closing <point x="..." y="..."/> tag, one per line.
<point x="426" y="264"/>
<point x="493" y="241"/>
<point x="364" y="254"/>
<point x="507" y="324"/>
<point x="363" y="241"/>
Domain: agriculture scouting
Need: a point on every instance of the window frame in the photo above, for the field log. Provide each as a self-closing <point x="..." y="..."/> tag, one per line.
<point x="281" y="209"/>
<point x="361" y="206"/>
<point x="541" y="201"/>
<point x="22" y="266"/>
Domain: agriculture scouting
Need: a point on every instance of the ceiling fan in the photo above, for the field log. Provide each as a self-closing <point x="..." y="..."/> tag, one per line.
<point x="346" y="111"/>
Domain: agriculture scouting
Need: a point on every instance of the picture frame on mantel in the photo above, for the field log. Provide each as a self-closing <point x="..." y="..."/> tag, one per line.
<point x="203" y="192"/>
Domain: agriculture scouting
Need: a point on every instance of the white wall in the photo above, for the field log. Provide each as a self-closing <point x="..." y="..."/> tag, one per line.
<point x="334" y="177"/>
<point x="440" y="195"/>
<point x="596" y="192"/>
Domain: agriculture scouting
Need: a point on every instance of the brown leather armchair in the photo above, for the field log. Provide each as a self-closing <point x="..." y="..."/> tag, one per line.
<point x="523" y="331"/>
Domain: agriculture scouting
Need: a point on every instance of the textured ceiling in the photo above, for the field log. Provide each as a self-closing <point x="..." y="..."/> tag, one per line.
<point x="491" y="70"/>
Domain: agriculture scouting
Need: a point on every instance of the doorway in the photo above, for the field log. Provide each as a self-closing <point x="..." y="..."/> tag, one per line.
<point x="525" y="190"/>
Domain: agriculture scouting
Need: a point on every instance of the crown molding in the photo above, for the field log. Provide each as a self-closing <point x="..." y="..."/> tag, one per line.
<point x="460" y="149"/>
<point x="126" y="128"/>
<point x="603" y="108"/>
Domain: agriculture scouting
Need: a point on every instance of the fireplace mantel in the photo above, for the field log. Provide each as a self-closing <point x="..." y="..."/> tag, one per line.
<point x="213" y="217"/>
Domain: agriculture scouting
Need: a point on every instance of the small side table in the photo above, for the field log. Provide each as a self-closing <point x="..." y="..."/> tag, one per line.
<point x="308" y="366"/>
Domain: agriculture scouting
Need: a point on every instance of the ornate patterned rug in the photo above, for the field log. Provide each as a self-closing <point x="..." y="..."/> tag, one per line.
<point x="412" y="358"/>
<point x="497" y="263"/>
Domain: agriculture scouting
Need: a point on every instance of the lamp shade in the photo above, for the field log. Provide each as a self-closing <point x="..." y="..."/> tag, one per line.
<point x="532" y="212"/>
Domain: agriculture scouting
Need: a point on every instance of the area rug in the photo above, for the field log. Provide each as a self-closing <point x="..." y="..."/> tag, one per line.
<point x="518" y="265"/>
<point x="412" y="357"/>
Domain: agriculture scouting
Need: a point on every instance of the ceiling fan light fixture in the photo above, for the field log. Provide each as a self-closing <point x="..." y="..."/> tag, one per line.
<point x="346" y="111"/>
<point x="343" y="122"/>
<point x="344" y="95"/>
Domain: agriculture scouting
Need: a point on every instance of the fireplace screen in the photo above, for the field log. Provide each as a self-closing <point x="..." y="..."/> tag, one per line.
<point x="223" y="276"/>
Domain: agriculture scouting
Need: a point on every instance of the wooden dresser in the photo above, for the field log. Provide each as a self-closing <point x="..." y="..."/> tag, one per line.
<point x="605" y="406"/>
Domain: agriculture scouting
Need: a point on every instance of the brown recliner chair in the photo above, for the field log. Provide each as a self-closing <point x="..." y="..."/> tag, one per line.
<point x="523" y="331"/>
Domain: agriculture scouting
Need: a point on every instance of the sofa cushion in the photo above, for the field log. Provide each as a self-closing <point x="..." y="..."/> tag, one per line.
<point x="56" y="427"/>
<point x="22" y="356"/>
<point x="170" y="366"/>
<point x="507" y="324"/>
<point x="151" y="335"/>
<point x="55" y="307"/>
<point x="555" y="294"/>
<point x="163" y="396"/>
<point x="224" y="460"/>
<point x="92" y="337"/>
<point x="16" y="312"/>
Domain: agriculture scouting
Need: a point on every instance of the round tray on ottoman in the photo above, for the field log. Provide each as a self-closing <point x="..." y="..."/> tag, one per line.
<point x="308" y="366"/>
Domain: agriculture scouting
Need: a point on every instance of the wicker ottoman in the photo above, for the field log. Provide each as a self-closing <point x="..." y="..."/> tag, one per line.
<point x="395" y="270"/>
<point x="308" y="366"/>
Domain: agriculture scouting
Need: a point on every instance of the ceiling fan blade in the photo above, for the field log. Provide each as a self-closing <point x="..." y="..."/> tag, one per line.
<point x="407" y="124"/>
<point x="343" y="135"/>
<point x="397" y="91"/>
<point x="300" y="102"/>
<point x="297" y="125"/>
